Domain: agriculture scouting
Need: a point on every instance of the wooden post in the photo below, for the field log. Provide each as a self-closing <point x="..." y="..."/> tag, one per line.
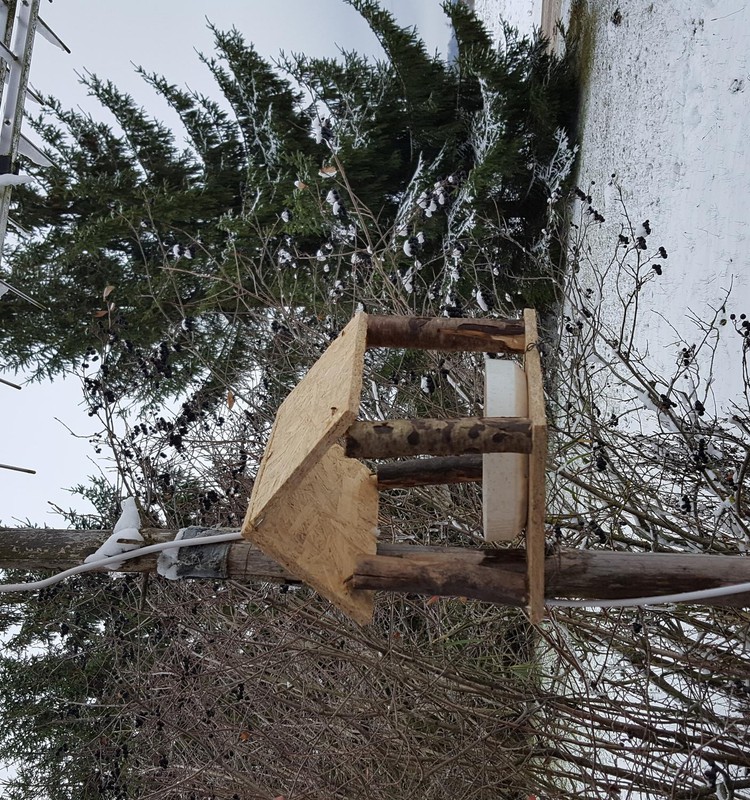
<point x="568" y="573"/>
<point x="580" y="574"/>
<point x="537" y="502"/>
<point x="54" y="550"/>
<point x="438" y="437"/>
<point x="437" y="333"/>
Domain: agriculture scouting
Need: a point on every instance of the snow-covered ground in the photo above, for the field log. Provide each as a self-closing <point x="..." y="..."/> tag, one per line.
<point x="522" y="14"/>
<point x="666" y="113"/>
<point x="662" y="140"/>
<point x="664" y="125"/>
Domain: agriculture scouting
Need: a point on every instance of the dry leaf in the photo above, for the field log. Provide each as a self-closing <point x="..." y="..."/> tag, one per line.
<point x="107" y="291"/>
<point x="244" y="736"/>
<point x="301" y="185"/>
<point x="327" y="172"/>
<point x="101" y="313"/>
<point x="434" y="599"/>
<point x="230" y="399"/>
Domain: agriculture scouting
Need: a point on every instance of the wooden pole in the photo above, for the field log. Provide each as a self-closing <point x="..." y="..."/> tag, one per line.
<point x="569" y="573"/>
<point x="493" y="575"/>
<point x="437" y="333"/>
<point x="537" y="503"/>
<point x="397" y="438"/>
<point x="443" y="575"/>
<point x="52" y="550"/>
<point x="429" y="471"/>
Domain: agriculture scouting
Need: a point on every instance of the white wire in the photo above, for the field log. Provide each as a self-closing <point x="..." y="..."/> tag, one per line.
<point x="141" y="551"/>
<point x="627" y="602"/>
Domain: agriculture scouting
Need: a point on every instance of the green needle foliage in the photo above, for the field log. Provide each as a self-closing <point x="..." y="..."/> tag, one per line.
<point x="158" y="259"/>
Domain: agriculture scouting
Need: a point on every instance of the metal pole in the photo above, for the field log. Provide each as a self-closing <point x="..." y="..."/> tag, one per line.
<point x="7" y="18"/>
<point x="18" y="469"/>
<point x="13" y="109"/>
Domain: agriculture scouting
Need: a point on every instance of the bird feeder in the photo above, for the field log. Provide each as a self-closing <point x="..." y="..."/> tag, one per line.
<point x="314" y="506"/>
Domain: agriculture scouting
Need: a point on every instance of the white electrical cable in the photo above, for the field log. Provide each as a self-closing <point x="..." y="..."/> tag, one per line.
<point x="627" y="602"/>
<point x="143" y="551"/>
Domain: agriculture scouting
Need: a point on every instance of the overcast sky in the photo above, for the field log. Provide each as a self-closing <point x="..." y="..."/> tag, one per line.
<point x="163" y="35"/>
<point x="107" y="38"/>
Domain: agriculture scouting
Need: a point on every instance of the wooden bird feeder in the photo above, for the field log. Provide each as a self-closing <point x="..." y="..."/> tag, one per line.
<point x="314" y="506"/>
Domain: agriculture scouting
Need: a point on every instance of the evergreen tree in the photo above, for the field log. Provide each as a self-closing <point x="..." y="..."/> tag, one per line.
<point x="159" y="262"/>
<point x="64" y="731"/>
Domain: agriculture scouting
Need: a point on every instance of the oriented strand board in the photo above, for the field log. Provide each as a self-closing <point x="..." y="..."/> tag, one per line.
<point x="537" y="467"/>
<point x="316" y="413"/>
<point x="313" y="510"/>
<point x="319" y="527"/>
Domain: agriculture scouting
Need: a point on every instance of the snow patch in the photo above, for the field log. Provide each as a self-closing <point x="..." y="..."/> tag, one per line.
<point x="125" y="535"/>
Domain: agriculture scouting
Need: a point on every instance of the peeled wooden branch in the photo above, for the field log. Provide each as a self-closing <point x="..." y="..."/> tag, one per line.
<point x="441" y="576"/>
<point x="397" y="438"/>
<point x="436" y="333"/>
<point x="429" y="471"/>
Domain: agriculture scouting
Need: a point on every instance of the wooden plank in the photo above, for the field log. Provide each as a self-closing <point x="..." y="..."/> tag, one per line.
<point x="313" y="510"/>
<point x="395" y="438"/>
<point x="454" y="334"/>
<point x="537" y="471"/>
<point x="318" y="528"/>
<point x="316" y="413"/>
<point x="505" y="476"/>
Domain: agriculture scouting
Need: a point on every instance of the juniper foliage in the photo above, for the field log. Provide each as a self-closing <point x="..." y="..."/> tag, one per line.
<point x="198" y="238"/>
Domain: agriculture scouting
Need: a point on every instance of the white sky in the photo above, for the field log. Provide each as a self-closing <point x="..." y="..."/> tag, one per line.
<point x="162" y="36"/>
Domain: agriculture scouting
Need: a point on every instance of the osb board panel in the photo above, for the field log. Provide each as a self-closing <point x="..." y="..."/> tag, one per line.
<point x="537" y="467"/>
<point x="316" y="413"/>
<point x="318" y="529"/>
